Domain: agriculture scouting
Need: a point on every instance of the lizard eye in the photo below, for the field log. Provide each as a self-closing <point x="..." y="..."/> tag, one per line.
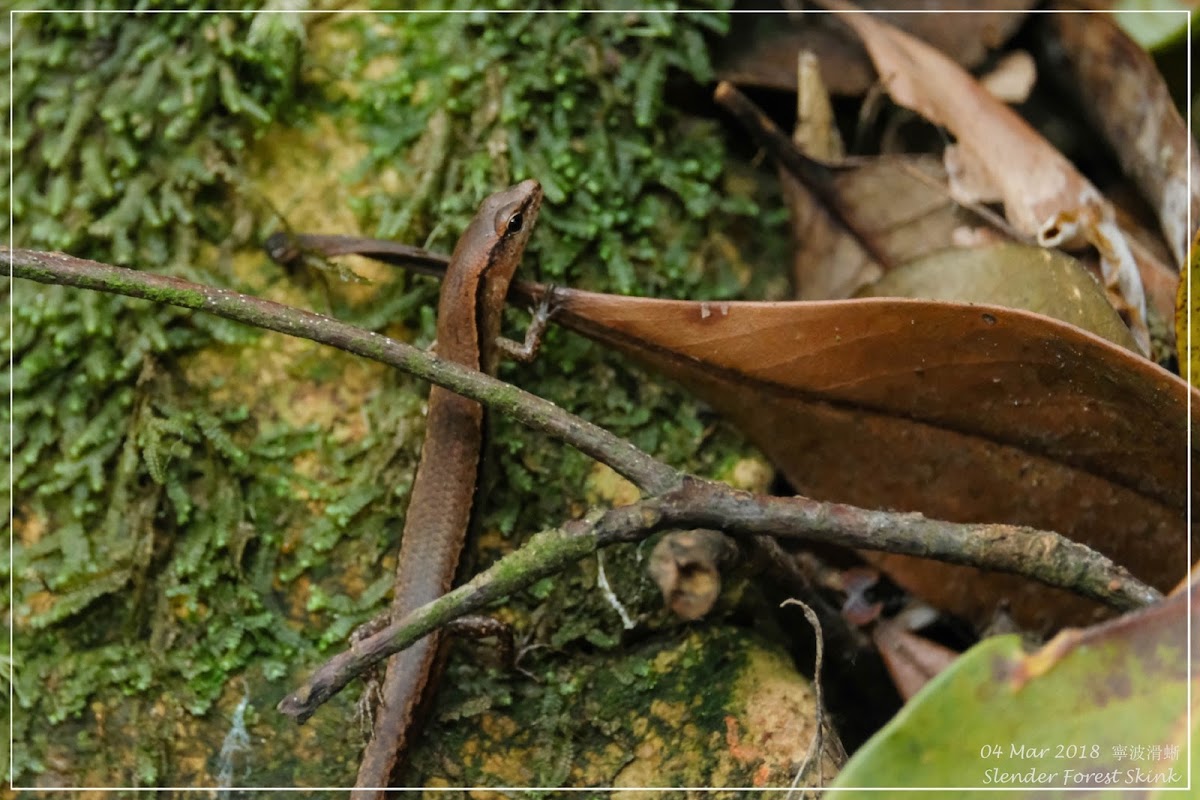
<point x="509" y="220"/>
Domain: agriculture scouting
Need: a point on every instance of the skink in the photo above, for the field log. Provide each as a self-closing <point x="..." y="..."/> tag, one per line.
<point x="468" y="327"/>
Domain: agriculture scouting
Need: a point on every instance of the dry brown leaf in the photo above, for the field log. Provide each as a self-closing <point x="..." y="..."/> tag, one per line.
<point x="968" y="413"/>
<point x="923" y="223"/>
<point x="686" y="566"/>
<point x="1124" y="94"/>
<point x="1044" y="196"/>
<point x="911" y="660"/>
<point x="829" y="263"/>
<point x="761" y="49"/>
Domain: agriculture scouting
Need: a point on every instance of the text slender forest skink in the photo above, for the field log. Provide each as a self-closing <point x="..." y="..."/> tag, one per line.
<point x="468" y="326"/>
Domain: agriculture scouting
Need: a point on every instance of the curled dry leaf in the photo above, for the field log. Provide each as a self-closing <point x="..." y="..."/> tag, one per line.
<point x="1044" y="196"/>
<point x="829" y="262"/>
<point x="1125" y="96"/>
<point x="966" y="413"/>
<point x="846" y="223"/>
<point x="686" y="566"/>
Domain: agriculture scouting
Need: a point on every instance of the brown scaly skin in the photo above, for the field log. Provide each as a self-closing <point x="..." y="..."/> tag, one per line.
<point x="439" y="511"/>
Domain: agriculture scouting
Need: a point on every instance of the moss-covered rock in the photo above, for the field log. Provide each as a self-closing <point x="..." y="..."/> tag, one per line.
<point x="204" y="512"/>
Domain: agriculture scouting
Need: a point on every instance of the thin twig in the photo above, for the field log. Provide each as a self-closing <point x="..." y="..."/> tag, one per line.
<point x="816" y="744"/>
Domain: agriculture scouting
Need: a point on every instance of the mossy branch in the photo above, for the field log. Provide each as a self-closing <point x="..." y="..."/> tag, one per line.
<point x="1047" y="557"/>
<point x="674" y="500"/>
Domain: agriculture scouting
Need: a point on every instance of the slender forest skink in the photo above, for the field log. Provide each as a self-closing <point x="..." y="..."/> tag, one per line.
<point x="468" y="328"/>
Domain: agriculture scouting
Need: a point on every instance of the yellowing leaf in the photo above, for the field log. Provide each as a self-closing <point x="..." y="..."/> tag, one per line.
<point x="1103" y="708"/>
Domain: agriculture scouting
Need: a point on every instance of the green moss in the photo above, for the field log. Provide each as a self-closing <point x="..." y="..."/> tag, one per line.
<point x="663" y="702"/>
<point x="124" y="124"/>
<point x="638" y="199"/>
<point x="180" y="522"/>
<point x="632" y="186"/>
<point x="129" y="137"/>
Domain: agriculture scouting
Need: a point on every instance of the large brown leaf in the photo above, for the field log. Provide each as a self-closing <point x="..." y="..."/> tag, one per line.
<point x="962" y="412"/>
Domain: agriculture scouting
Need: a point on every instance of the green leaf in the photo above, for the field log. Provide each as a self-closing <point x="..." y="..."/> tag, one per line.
<point x="1105" y="706"/>
<point x="1148" y="23"/>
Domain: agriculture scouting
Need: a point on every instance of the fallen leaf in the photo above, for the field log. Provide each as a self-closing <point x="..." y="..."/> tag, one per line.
<point x="911" y="660"/>
<point x="1104" y="708"/>
<point x="1044" y="195"/>
<point x="761" y="49"/>
<point x="1125" y="97"/>
<point x="686" y="566"/>
<point x="924" y="223"/>
<point x="1012" y="275"/>
<point x="830" y="262"/>
<point x="966" y="413"/>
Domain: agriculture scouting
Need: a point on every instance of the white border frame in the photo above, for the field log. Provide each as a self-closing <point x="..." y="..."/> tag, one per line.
<point x="1185" y="369"/>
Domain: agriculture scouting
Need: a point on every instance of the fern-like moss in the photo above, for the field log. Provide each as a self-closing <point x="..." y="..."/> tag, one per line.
<point x="170" y="533"/>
